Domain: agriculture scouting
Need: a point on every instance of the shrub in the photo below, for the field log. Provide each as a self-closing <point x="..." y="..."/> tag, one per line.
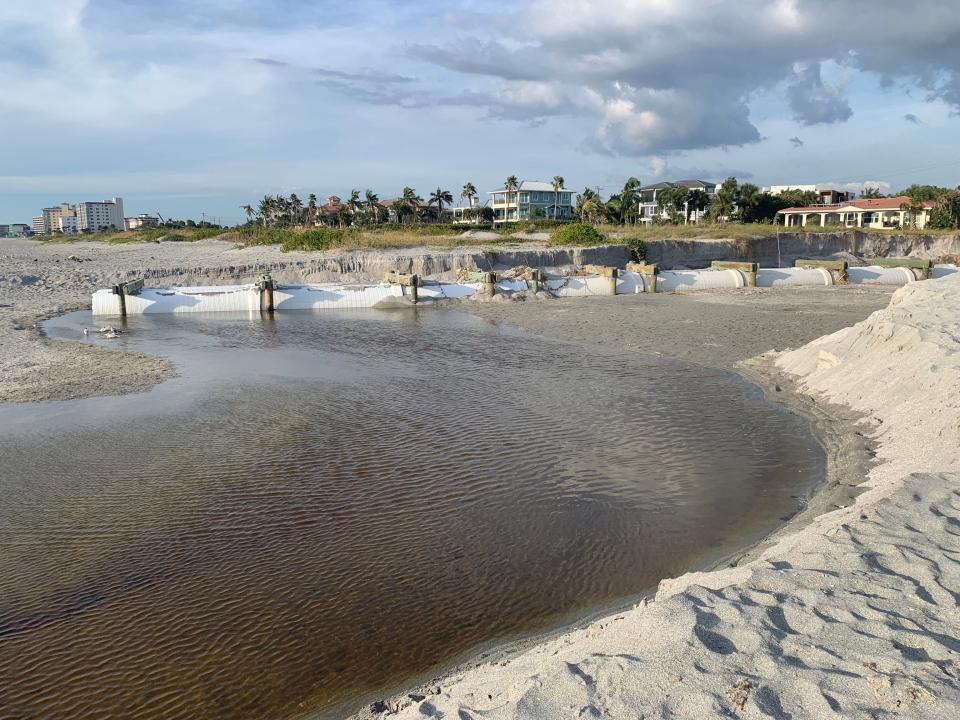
<point x="639" y="249"/>
<point x="577" y="234"/>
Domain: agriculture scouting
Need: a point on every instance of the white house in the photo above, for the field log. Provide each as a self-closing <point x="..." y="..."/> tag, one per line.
<point x="876" y="213"/>
<point x="649" y="200"/>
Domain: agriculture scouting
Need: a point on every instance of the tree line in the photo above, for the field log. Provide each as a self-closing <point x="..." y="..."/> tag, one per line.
<point x="731" y="202"/>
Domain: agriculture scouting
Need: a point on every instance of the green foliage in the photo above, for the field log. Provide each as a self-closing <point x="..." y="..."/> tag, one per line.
<point x="871" y="194"/>
<point x="946" y="215"/>
<point x="638" y="247"/>
<point x="724" y="200"/>
<point x="921" y="193"/>
<point x="577" y="234"/>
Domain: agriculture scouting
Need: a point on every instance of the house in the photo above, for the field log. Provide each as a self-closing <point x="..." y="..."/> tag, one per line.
<point x="530" y="200"/>
<point x="875" y="213"/>
<point x="141" y="220"/>
<point x="828" y="195"/>
<point x="471" y="214"/>
<point x="649" y="200"/>
<point x="422" y="207"/>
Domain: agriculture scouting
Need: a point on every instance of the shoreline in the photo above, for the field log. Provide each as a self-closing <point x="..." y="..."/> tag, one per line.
<point x="849" y="453"/>
<point x="888" y="553"/>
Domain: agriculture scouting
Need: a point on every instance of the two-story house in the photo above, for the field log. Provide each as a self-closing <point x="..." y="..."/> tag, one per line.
<point x="532" y="199"/>
<point x="649" y="201"/>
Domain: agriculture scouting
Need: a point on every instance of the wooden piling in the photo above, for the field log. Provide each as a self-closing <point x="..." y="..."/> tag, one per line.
<point x="489" y="280"/>
<point x="748" y="269"/>
<point x="837" y="268"/>
<point x="407" y="280"/>
<point x="122" y="290"/>
<point x="536" y="277"/>
<point x="649" y="272"/>
<point x="266" y="286"/>
<point x="919" y="266"/>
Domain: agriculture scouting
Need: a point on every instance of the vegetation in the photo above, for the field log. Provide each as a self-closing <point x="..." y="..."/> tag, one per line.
<point x="578" y="234"/>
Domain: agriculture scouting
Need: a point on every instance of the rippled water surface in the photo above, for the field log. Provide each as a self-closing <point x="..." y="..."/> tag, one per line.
<point x="324" y="506"/>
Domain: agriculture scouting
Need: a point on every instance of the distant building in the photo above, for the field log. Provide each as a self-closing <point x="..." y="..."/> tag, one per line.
<point x="140" y="221"/>
<point x="67" y="224"/>
<point x="828" y="195"/>
<point x="48" y="221"/>
<point x="875" y="213"/>
<point x="531" y="199"/>
<point x="14" y="230"/>
<point x="100" y="215"/>
<point x="468" y="214"/>
<point x="649" y="200"/>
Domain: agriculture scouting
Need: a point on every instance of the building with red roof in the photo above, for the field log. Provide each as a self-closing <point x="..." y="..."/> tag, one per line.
<point x="872" y="213"/>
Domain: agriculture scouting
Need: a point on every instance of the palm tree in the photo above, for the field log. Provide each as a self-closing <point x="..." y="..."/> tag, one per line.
<point x="589" y="210"/>
<point x="511" y="184"/>
<point x="296" y="209"/>
<point x="557" y="187"/>
<point x="312" y="209"/>
<point x="438" y="198"/>
<point x="373" y="204"/>
<point x="354" y="202"/>
<point x="629" y="200"/>
<point x="469" y="193"/>
<point x="410" y="196"/>
<point x="248" y="211"/>
<point x="266" y="210"/>
<point x="697" y="201"/>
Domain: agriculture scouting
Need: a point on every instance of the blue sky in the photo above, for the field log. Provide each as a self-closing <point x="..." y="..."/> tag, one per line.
<point x="199" y="106"/>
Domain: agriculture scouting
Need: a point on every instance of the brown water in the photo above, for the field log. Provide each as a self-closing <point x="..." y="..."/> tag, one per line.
<point x="325" y="506"/>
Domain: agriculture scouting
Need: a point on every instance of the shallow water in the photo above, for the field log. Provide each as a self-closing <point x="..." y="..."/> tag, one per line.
<point x="323" y="506"/>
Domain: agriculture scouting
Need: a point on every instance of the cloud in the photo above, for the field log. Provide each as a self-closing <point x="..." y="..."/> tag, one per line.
<point x="682" y="75"/>
<point x="859" y="187"/>
<point x="812" y="101"/>
<point x="911" y="118"/>
<point x="796" y="142"/>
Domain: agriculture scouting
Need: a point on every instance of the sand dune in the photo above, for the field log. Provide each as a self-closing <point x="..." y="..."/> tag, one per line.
<point x="854" y="616"/>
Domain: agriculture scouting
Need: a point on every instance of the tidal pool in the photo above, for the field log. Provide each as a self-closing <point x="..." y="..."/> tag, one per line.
<point x="324" y="506"/>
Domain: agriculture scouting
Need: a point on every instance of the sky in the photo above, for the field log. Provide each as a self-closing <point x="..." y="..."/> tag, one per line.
<point x="193" y="108"/>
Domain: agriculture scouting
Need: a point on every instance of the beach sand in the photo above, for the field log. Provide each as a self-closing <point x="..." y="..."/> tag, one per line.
<point x="849" y="613"/>
<point x="853" y="615"/>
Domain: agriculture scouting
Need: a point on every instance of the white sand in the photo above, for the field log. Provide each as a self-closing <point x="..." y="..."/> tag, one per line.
<point x="854" y="616"/>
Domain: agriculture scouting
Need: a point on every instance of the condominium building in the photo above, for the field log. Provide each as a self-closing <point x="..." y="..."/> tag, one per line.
<point x="48" y="221"/>
<point x="100" y="215"/>
<point x="530" y="200"/>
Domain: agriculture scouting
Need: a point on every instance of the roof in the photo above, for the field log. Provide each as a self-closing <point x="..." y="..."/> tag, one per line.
<point x="868" y="204"/>
<point x="535" y="185"/>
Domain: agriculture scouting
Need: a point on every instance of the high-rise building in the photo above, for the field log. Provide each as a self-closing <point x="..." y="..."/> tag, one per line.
<point x="101" y="215"/>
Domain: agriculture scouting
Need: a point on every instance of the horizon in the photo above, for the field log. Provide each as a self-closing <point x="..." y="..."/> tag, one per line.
<point x="197" y="108"/>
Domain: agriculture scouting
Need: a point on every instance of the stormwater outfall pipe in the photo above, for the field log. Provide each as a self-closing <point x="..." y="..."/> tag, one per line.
<point x="692" y="280"/>
<point x="876" y="275"/>
<point x="787" y="277"/>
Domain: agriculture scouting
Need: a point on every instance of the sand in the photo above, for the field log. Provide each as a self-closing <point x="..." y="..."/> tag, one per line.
<point x="852" y="613"/>
<point x="854" y="616"/>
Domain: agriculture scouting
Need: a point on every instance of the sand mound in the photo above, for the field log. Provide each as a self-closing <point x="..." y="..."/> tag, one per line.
<point x="854" y="616"/>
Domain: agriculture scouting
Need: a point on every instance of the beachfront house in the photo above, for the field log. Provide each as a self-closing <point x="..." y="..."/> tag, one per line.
<point x="532" y="199"/>
<point x="649" y="200"/>
<point x="873" y="213"/>
<point x="828" y="195"/>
